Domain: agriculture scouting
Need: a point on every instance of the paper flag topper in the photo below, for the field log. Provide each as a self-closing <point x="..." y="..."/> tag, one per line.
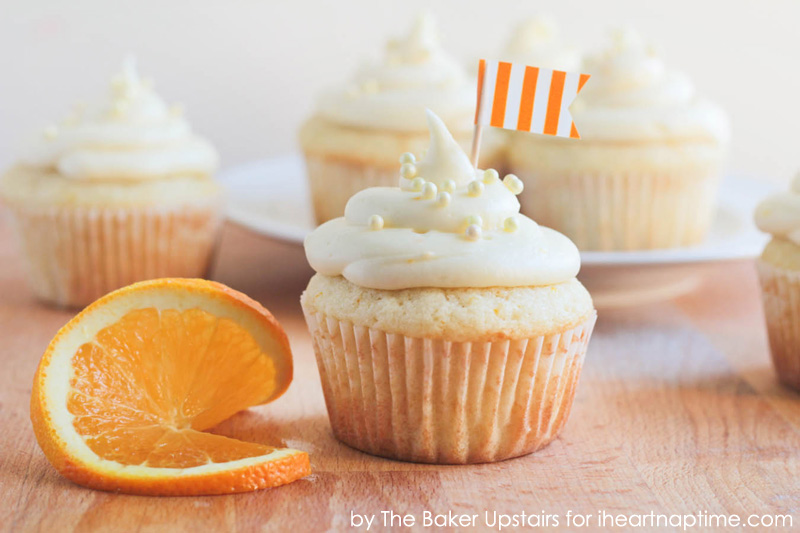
<point x="518" y="97"/>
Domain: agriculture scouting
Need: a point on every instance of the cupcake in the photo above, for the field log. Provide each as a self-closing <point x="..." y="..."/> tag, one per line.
<point x="779" y="273"/>
<point x="116" y="193"/>
<point x="447" y="327"/>
<point x="353" y="140"/>
<point x="536" y="42"/>
<point x="645" y="173"/>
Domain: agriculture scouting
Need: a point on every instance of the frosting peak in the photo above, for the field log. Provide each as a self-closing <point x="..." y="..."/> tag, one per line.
<point x="537" y="42"/>
<point x="418" y="45"/>
<point x="447" y="225"/>
<point x="779" y="214"/>
<point x="133" y="135"/>
<point x="444" y="160"/>
<point x="415" y="72"/>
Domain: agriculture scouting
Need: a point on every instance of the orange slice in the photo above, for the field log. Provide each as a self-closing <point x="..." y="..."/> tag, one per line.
<point x="124" y="391"/>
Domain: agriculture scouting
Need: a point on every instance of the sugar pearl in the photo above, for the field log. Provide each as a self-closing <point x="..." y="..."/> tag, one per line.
<point x="474" y="220"/>
<point x="490" y="176"/>
<point x="443" y="200"/>
<point x="513" y="183"/>
<point x="375" y="222"/>
<point x="417" y="184"/>
<point x="473" y="232"/>
<point x="407" y="157"/>
<point x="511" y="224"/>
<point x="449" y="186"/>
<point x="475" y="188"/>
<point x="408" y="170"/>
<point x="429" y="191"/>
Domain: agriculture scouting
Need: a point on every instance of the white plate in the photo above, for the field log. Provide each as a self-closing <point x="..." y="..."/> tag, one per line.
<point x="270" y="197"/>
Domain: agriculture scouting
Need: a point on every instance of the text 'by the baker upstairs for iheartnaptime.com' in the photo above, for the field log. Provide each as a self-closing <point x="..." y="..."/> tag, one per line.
<point x="570" y="519"/>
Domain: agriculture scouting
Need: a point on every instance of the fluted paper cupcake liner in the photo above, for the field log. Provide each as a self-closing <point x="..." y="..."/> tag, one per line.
<point x="623" y="211"/>
<point x="75" y="255"/>
<point x="781" y="297"/>
<point x="435" y="401"/>
<point x="333" y="182"/>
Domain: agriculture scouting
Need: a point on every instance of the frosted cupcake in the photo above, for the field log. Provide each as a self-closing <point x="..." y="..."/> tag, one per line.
<point x="353" y="140"/>
<point x="536" y="42"/>
<point x="645" y="173"/>
<point x="447" y="327"/>
<point x="779" y="272"/>
<point x="116" y="193"/>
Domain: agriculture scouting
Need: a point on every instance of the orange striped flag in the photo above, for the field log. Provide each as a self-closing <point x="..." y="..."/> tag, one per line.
<point x="518" y="97"/>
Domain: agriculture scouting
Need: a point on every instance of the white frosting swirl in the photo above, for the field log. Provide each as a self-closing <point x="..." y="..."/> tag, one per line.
<point x="447" y="225"/>
<point x="537" y="42"/>
<point x="780" y="213"/>
<point x="132" y="136"/>
<point x="633" y="96"/>
<point x="415" y="73"/>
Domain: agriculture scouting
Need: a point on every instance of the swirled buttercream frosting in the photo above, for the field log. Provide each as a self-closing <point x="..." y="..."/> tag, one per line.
<point x="633" y="95"/>
<point x="779" y="214"/>
<point x="133" y="135"/>
<point x="446" y="225"/>
<point x="415" y="72"/>
<point x="537" y="42"/>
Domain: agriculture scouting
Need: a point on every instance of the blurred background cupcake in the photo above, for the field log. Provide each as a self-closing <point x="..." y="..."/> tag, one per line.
<point x="353" y="140"/>
<point x="115" y="193"/>
<point x="645" y="173"/>
<point x="535" y="42"/>
<point x="779" y="272"/>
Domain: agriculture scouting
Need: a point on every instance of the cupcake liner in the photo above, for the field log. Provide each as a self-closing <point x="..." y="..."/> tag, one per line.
<point x="781" y="297"/>
<point x="624" y="210"/>
<point x="75" y="255"/>
<point x="436" y="401"/>
<point x="334" y="181"/>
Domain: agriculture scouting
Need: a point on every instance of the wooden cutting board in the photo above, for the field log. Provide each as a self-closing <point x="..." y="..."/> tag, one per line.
<point x="678" y="412"/>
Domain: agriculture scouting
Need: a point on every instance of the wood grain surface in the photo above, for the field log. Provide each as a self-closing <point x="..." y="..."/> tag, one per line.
<point x="677" y="412"/>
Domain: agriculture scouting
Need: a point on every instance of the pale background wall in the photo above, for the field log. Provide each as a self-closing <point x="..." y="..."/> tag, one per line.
<point x="248" y="70"/>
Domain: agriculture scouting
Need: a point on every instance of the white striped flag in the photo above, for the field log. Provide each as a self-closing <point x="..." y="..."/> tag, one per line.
<point x="518" y="97"/>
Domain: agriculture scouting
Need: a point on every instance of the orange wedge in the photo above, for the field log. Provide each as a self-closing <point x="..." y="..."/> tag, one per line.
<point x="125" y="390"/>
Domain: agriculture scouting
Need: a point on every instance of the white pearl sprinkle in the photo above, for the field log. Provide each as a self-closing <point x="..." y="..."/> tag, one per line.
<point x="513" y="183"/>
<point x="474" y="220"/>
<point x="51" y="132"/>
<point x="475" y="188"/>
<point x="443" y="200"/>
<point x="408" y="170"/>
<point x="449" y="186"/>
<point x="511" y="224"/>
<point x="490" y="176"/>
<point x="407" y="157"/>
<point x="376" y="222"/>
<point x="429" y="191"/>
<point x="473" y="232"/>
<point x="417" y="184"/>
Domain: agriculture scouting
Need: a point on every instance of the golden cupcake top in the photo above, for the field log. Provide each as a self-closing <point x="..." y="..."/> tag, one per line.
<point x="415" y="72"/>
<point x="130" y="135"/>
<point x="446" y="225"/>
